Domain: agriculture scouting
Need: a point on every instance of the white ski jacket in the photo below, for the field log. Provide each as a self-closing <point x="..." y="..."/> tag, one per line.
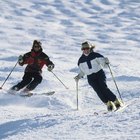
<point x="90" y="64"/>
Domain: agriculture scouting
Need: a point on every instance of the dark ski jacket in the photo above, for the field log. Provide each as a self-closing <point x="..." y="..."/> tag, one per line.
<point x="35" y="61"/>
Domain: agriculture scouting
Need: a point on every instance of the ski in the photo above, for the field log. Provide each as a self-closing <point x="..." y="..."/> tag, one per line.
<point x="37" y="94"/>
<point x="121" y="108"/>
<point x="29" y="94"/>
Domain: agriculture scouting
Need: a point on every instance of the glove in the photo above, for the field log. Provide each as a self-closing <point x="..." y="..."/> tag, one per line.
<point x="50" y="67"/>
<point x="20" y="59"/>
<point x="106" y="60"/>
<point x="77" y="78"/>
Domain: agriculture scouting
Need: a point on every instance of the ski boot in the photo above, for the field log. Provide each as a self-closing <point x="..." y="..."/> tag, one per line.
<point x="118" y="103"/>
<point x="13" y="90"/>
<point x="26" y="92"/>
<point x="110" y="106"/>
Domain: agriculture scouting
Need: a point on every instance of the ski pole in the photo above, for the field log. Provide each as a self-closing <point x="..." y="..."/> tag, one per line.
<point x="59" y="80"/>
<point x="8" y="75"/>
<point x="77" y="94"/>
<point x="115" y="82"/>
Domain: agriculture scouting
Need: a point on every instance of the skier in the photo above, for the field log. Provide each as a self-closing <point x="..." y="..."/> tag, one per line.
<point x="35" y="60"/>
<point x="90" y="63"/>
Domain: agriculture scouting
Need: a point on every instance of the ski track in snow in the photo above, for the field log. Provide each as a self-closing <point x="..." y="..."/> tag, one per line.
<point x="113" y="26"/>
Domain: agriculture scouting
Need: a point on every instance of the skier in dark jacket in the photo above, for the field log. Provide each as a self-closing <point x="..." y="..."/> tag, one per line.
<point x="35" y="60"/>
<point x="90" y="64"/>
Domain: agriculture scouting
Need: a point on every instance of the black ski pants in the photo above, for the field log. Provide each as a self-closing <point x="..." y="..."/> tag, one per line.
<point x="98" y="82"/>
<point x="30" y="80"/>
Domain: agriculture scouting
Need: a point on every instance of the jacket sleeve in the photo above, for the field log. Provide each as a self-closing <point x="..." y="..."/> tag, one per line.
<point x="47" y="60"/>
<point x="101" y="61"/>
<point x="81" y="73"/>
<point x="26" y="57"/>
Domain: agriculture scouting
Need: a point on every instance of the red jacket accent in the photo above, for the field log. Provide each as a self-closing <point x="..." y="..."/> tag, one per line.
<point x="35" y="61"/>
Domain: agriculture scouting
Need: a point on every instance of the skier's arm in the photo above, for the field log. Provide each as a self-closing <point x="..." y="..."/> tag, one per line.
<point x="103" y="61"/>
<point x="20" y="60"/>
<point x="79" y="76"/>
<point x="49" y="63"/>
<point x="23" y="59"/>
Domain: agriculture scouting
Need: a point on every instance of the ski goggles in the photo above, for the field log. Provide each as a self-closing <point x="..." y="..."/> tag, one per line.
<point x="87" y="48"/>
<point x="36" y="46"/>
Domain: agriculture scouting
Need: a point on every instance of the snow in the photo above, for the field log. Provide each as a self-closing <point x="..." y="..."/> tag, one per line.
<point x="113" y="26"/>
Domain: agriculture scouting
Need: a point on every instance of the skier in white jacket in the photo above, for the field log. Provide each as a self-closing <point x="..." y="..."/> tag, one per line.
<point x="91" y="64"/>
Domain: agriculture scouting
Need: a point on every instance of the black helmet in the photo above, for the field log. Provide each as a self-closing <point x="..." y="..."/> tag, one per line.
<point x="37" y="42"/>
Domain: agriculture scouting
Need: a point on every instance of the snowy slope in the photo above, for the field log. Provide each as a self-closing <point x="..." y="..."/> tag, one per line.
<point x="113" y="26"/>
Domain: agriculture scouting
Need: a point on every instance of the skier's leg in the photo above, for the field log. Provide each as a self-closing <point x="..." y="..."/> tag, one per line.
<point x="104" y="88"/>
<point x="37" y="80"/>
<point x="25" y="81"/>
<point x="93" y="83"/>
<point x="110" y="95"/>
<point x="112" y="99"/>
<point x="96" y="80"/>
<point x="102" y="96"/>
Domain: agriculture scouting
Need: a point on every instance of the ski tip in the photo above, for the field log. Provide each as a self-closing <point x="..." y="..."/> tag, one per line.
<point x="49" y="93"/>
